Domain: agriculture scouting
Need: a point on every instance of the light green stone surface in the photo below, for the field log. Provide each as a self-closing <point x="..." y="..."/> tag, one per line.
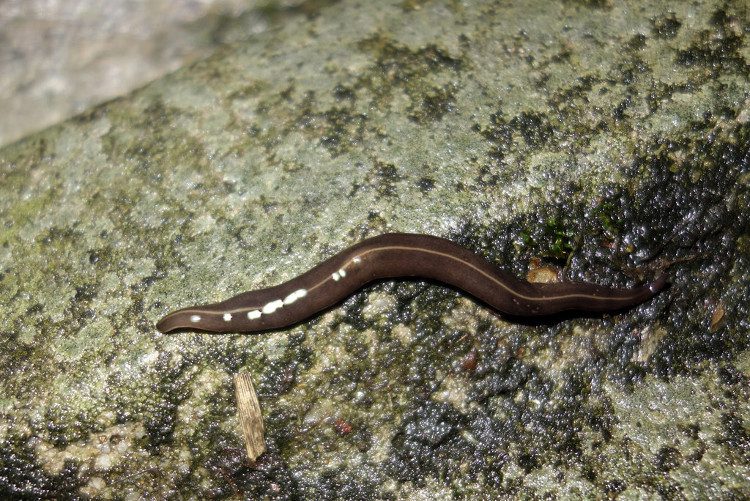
<point x="595" y="135"/>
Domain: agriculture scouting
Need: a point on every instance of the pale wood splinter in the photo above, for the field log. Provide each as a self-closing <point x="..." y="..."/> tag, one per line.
<point x="250" y="416"/>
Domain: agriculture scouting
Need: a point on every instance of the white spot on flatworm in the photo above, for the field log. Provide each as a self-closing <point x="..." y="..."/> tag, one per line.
<point x="195" y="318"/>
<point x="273" y="306"/>
<point x="336" y="276"/>
<point x="295" y="296"/>
<point x="227" y="317"/>
<point x="342" y="272"/>
<point x="356" y="260"/>
<point x="253" y="314"/>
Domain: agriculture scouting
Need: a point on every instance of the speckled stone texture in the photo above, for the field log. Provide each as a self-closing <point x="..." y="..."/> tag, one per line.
<point x="610" y="139"/>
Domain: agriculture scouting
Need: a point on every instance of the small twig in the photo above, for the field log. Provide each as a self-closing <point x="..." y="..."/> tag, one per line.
<point x="250" y="416"/>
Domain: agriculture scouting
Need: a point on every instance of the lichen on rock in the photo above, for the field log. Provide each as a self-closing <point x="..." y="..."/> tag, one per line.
<point x="607" y="139"/>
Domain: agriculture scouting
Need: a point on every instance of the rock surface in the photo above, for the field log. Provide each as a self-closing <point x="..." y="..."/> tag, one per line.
<point x="607" y="138"/>
<point x="61" y="57"/>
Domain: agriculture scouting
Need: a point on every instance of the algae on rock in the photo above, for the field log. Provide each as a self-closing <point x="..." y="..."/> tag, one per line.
<point x="606" y="138"/>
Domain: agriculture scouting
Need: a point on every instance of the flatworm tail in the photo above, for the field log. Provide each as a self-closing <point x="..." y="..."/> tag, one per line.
<point x="400" y="255"/>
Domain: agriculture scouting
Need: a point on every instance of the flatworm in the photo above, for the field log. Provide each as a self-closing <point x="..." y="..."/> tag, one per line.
<point x="400" y="255"/>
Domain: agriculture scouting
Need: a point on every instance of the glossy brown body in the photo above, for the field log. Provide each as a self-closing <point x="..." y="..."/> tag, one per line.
<point x="401" y="255"/>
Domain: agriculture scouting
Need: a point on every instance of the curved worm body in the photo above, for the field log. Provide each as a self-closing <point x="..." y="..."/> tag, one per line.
<point x="397" y="255"/>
